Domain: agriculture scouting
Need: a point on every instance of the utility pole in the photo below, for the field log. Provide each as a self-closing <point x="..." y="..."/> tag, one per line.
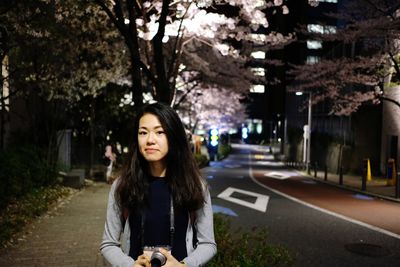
<point x="308" y="155"/>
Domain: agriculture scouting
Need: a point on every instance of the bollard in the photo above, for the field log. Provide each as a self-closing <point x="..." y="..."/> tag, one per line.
<point x="364" y="175"/>
<point x="341" y="175"/>
<point x="397" y="195"/>
<point x="315" y="169"/>
<point x="391" y="172"/>
<point x="364" y="182"/>
<point x="326" y="173"/>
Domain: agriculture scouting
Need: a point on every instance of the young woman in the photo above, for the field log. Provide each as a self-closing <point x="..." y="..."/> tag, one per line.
<point x="160" y="200"/>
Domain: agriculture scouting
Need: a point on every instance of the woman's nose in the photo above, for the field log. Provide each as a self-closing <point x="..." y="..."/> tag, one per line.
<point x="150" y="138"/>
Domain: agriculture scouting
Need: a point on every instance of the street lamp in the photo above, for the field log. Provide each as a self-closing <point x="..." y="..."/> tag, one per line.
<point x="307" y="132"/>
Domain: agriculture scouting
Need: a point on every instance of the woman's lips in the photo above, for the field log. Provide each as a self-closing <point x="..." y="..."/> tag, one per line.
<point x="150" y="150"/>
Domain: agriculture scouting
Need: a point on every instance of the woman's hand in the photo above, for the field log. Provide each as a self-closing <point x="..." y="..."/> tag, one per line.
<point x="171" y="261"/>
<point x="142" y="261"/>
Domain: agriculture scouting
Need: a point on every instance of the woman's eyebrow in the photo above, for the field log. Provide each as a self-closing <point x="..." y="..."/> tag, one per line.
<point x="155" y="127"/>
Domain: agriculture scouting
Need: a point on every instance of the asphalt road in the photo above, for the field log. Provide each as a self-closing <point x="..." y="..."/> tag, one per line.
<point x="303" y="220"/>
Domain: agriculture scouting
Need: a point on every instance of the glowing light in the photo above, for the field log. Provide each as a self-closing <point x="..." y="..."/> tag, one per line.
<point x="214" y="137"/>
<point x="214" y="132"/>
<point x="245" y="133"/>
<point x="259" y="128"/>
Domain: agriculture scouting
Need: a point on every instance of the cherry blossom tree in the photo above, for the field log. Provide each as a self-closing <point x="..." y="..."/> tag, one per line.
<point x="206" y="106"/>
<point x="371" y="26"/>
<point x="162" y="35"/>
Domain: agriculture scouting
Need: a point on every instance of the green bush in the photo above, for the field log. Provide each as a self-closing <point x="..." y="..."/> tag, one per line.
<point x="22" y="210"/>
<point x="224" y="150"/>
<point x="22" y="170"/>
<point x="246" y="249"/>
<point x="201" y="160"/>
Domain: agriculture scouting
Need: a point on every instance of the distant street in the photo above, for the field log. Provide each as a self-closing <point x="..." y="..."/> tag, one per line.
<point x="322" y="225"/>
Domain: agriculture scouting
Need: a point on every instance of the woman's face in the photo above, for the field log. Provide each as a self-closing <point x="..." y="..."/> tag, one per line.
<point x="153" y="143"/>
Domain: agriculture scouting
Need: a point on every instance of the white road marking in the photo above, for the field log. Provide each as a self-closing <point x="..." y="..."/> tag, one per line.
<point x="277" y="175"/>
<point x="232" y="166"/>
<point x="269" y="163"/>
<point x="371" y="227"/>
<point x="260" y="204"/>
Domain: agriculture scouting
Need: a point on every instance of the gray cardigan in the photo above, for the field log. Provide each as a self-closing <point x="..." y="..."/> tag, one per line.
<point x="115" y="244"/>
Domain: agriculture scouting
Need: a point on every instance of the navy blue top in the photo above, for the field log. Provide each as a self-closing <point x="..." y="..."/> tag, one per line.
<point x="157" y="222"/>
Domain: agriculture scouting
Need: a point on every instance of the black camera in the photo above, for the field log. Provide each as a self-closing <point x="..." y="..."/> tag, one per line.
<point x="157" y="259"/>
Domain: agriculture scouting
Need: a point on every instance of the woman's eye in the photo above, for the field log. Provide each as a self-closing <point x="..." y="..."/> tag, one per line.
<point x="142" y="133"/>
<point x="160" y="132"/>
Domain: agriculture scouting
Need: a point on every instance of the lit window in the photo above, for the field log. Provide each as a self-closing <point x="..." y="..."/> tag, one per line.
<point x="315" y="28"/>
<point x="326" y="29"/>
<point x="312" y="59"/>
<point x="329" y="29"/>
<point x="314" y="44"/>
<point x="258" y="54"/>
<point x="257" y="88"/>
<point x="328" y="1"/>
<point x="258" y="71"/>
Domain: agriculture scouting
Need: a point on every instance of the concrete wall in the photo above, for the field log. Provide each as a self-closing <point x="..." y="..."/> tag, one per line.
<point x="366" y="143"/>
<point x="366" y="127"/>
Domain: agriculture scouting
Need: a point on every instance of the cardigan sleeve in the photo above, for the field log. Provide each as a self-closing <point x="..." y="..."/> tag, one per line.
<point x="111" y="243"/>
<point x="206" y="246"/>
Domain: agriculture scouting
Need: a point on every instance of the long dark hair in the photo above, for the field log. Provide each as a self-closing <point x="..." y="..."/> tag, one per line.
<point x="182" y="174"/>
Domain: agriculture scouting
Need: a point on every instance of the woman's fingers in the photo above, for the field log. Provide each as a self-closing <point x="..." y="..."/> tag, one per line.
<point x="166" y="253"/>
<point x="171" y="261"/>
<point x="142" y="261"/>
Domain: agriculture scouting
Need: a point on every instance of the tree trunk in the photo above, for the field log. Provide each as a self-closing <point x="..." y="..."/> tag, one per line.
<point x="131" y="39"/>
<point x="163" y="90"/>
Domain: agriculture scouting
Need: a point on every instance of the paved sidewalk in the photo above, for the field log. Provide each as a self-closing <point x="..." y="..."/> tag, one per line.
<point x="68" y="235"/>
<point x="376" y="187"/>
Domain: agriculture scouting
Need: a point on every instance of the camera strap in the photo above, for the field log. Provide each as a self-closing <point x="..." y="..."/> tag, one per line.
<point x="171" y="223"/>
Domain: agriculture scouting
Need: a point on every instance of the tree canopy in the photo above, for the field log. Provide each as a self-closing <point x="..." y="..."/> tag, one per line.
<point x="371" y="34"/>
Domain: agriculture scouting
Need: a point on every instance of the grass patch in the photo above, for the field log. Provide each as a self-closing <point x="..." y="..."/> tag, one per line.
<point x="246" y="249"/>
<point x="22" y="210"/>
